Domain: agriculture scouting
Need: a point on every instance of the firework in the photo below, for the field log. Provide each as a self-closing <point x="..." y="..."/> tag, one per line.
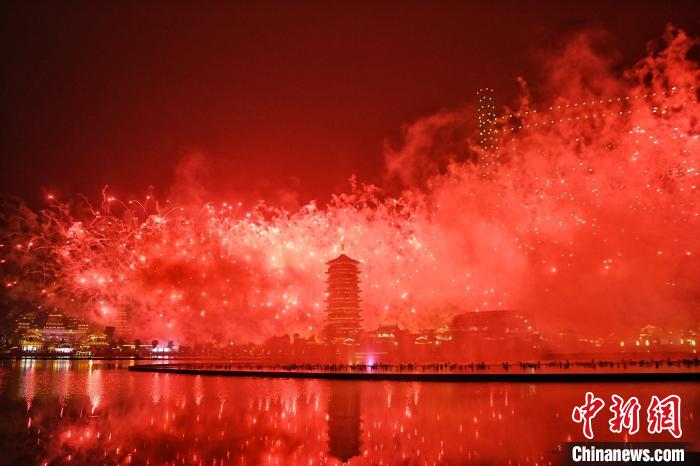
<point x="588" y="211"/>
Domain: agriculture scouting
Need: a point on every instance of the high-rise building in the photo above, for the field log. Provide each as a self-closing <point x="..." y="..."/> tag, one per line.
<point x="55" y="322"/>
<point x="26" y="321"/>
<point x="486" y="117"/>
<point x="122" y="324"/>
<point x="56" y="330"/>
<point x="343" y="312"/>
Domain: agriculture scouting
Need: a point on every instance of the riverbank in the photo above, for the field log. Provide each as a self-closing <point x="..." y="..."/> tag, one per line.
<point x="424" y="374"/>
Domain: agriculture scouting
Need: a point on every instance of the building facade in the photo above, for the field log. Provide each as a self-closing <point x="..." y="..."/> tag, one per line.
<point x="494" y="335"/>
<point x="343" y="312"/>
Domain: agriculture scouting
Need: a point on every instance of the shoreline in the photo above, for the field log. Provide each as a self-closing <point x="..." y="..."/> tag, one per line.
<point x="518" y="377"/>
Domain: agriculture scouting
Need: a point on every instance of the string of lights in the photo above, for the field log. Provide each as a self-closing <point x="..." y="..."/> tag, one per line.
<point x="596" y="102"/>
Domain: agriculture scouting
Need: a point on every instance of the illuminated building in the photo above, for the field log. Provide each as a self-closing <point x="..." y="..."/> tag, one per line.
<point x="433" y="337"/>
<point x="76" y="324"/>
<point x="94" y="342"/>
<point x="343" y="319"/>
<point x="423" y="340"/>
<point x="443" y="334"/>
<point x="63" y="348"/>
<point x="31" y="341"/>
<point x="384" y="344"/>
<point x="162" y="349"/>
<point x="494" y="334"/>
<point x="55" y="329"/>
<point x="121" y="324"/>
<point x="390" y="334"/>
<point x="653" y="337"/>
<point x="425" y="337"/>
<point x="55" y="322"/>
<point x="26" y="321"/>
<point x="53" y="335"/>
<point x="486" y="117"/>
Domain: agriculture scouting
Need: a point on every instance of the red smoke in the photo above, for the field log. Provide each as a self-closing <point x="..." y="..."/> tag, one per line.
<point x="589" y="220"/>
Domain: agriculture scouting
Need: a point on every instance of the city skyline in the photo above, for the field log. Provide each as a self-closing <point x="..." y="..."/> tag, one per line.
<point x="349" y="233"/>
<point x="577" y="207"/>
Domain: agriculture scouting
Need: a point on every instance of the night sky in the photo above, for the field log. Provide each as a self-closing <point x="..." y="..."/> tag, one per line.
<point x="278" y="97"/>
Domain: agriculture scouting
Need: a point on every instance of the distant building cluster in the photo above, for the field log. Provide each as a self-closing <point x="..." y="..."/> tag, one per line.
<point x="488" y="335"/>
<point x="56" y="333"/>
<point x="483" y="336"/>
<point x="52" y="333"/>
<point x="653" y="337"/>
<point x="472" y="335"/>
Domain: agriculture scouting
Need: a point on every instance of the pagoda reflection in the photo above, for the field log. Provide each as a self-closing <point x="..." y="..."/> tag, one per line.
<point x="344" y="420"/>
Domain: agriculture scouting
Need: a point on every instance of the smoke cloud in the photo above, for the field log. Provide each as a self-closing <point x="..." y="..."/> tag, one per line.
<point x="585" y="217"/>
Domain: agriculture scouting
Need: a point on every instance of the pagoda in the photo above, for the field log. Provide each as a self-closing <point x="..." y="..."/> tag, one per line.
<point x="343" y="320"/>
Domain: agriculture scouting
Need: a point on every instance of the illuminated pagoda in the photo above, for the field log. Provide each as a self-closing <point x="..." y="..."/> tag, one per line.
<point x="343" y="301"/>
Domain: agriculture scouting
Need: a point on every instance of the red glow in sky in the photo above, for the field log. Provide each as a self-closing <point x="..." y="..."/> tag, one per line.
<point x="585" y="216"/>
<point x="587" y="211"/>
<point x="286" y="101"/>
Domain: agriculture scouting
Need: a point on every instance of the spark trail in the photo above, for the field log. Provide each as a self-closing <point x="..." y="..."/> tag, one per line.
<point x="588" y="216"/>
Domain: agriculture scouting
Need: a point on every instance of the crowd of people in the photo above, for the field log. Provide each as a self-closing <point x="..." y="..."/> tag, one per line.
<point x="619" y="365"/>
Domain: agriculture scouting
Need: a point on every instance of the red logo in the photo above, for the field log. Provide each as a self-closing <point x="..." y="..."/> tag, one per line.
<point x="586" y="412"/>
<point x="662" y="415"/>
<point x="625" y="415"/>
<point x="665" y="415"/>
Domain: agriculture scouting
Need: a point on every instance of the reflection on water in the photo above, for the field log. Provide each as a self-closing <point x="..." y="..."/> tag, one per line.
<point x="344" y="420"/>
<point x="82" y="412"/>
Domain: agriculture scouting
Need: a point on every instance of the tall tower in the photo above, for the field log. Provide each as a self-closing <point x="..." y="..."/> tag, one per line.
<point x="122" y="323"/>
<point x="486" y="115"/>
<point x="343" y="301"/>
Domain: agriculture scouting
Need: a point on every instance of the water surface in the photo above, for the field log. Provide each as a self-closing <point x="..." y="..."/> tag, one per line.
<point x="83" y="412"/>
